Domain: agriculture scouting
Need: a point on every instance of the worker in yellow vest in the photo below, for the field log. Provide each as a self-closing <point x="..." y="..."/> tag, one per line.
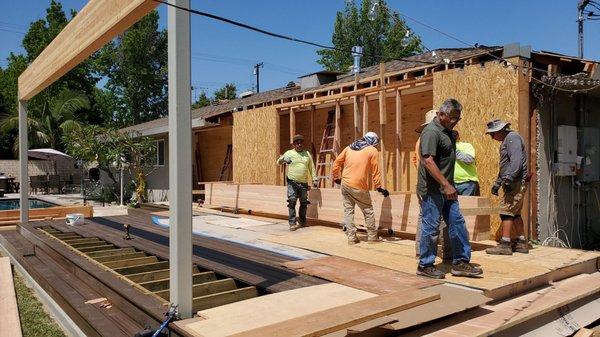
<point x="465" y="169"/>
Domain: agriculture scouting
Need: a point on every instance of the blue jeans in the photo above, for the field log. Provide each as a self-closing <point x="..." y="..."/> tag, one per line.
<point x="432" y="207"/>
<point x="467" y="188"/>
<point x="295" y="191"/>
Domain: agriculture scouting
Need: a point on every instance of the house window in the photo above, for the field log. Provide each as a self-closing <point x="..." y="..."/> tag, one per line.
<point x="160" y="152"/>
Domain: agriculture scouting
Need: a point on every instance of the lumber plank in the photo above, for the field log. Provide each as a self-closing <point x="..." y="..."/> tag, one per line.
<point x="149" y="276"/>
<point x="206" y="288"/>
<point x="374" y="279"/>
<point x="9" y="315"/>
<point x="131" y="262"/>
<point x="96" y="248"/>
<point x="118" y="257"/>
<point x="257" y="312"/>
<point x="338" y="318"/>
<point x="214" y="300"/>
<point x="111" y="252"/>
<point x="163" y="283"/>
<point x="142" y="268"/>
<point x="96" y="24"/>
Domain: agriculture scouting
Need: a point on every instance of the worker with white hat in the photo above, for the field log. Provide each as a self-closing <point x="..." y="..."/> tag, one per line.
<point x="351" y="170"/>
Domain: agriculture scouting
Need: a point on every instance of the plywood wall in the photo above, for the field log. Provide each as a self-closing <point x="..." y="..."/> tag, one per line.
<point x="212" y="144"/>
<point x="486" y="93"/>
<point x="256" y="145"/>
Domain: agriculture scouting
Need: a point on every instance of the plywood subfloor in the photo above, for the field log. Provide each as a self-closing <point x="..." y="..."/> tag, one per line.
<point x="360" y="275"/>
<point x="504" y="276"/>
<point x="269" y="309"/>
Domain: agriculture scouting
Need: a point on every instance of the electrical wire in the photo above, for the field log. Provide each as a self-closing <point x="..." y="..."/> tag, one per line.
<point x="277" y="35"/>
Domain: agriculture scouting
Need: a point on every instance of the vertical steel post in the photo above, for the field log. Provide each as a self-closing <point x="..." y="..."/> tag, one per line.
<point x="180" y="158"/>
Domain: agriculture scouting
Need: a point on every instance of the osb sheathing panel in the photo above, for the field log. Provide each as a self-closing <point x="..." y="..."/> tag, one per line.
<point x="213" y="148"/>
<point x="255" y="146"/>
<point x="414" y="107"/>
<point x="486" y="93"/>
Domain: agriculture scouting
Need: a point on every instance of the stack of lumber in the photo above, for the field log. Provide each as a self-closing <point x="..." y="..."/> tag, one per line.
<point x="400" y="211"/>
<point x="10" y="325"/>
<point x="311" y="311"/>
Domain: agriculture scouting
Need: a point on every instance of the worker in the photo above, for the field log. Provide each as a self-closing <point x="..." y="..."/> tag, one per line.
<point x="446" y="248"/>
<point x="301" y="172"/>
<point x="351" y="170"/>
<point x="439" y="198"/>
<point x="513" y="179"/>
<point x="465" y="169"/>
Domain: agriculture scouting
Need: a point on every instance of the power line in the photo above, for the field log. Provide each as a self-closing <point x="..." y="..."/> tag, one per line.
<point x="11" y="31"/>
<point x="277" y="35"/>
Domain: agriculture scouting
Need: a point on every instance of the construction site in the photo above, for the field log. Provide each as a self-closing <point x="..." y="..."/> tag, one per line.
<point x="211" y="252"/>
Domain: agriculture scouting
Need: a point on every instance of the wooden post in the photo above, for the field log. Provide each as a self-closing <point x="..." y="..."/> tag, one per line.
<point x="356" y="109"/>
<point x="312" y="128"/>
<point x="382" y="124"/>
<point x="524" y="120"/>
<point x="336" y="134"/>
<point x="292" y="124"/>
<point x="365" y="116"/>
<point x="398" y="170"/>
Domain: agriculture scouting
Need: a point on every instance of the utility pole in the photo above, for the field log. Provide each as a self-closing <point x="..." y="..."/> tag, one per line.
<point x="580" y="8"/>
<point x="257" y="73"/>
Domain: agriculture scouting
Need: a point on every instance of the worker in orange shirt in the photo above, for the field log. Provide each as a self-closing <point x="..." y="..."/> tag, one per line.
<point x="351" y="169"/>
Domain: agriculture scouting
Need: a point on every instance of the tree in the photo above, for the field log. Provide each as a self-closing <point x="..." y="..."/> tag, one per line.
<point x="228" y="91"/>
<point x="46" y="127"/>
<point x="136" y="67"/>
<point x="107" y="146"/>
<point x="380" y="31"/>
<point x="202" y="101"/>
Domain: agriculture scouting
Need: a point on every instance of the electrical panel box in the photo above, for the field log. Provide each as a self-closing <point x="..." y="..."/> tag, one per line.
<point x="589" y="151"/>
<point x="566" y="152"/>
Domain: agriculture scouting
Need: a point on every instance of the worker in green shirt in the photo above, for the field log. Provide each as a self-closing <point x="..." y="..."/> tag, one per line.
<point x="465" y="169"/>
<point x="301" y="172"/>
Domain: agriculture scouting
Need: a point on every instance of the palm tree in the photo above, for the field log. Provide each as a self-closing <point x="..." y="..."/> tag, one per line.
<point x="56" y="118"/>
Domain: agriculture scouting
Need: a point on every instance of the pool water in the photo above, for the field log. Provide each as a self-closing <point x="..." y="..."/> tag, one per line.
<point x="9" y="204"/>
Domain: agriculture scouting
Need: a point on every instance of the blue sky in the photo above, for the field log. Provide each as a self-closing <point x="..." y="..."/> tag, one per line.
<point x="223" y="53"/>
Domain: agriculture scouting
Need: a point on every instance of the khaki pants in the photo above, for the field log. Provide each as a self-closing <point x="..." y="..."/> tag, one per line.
<point x="512" y="202"/>
<point x="352" y="197"/>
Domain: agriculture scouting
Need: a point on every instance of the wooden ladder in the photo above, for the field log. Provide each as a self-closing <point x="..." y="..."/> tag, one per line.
<point x="226" y="165"/>
<point x="327" y="148"/>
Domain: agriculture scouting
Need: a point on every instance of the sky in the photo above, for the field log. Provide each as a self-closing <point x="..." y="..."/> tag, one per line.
<point x="222" y="53"/>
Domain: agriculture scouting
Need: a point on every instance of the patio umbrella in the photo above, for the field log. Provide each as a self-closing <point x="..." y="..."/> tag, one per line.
<point x="47" y="154"/>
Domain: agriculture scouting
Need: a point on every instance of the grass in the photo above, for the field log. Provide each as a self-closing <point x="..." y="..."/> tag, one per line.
<point x="35" y="321"/>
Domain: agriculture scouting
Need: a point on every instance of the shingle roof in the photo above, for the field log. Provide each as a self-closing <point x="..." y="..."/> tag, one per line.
<point x="415" y="61"/>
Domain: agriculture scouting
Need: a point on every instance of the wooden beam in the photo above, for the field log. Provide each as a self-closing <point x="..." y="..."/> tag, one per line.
<point x="206" y="288"/>
<point x="143" y="268"/>
<point x="524" y="121"/>
<point x="337" y="132"/>
<point x="162" y="284"/>
<point x="210" y="301"/>
<point x="292" y="125"/>
<point x="312" y="128"/>
<point x="398" y="136"/>
<point x="95" y="25"/>
<point x="382" y="125"/>
<point x="131" y="262"/>
<point x="365" y="115"/>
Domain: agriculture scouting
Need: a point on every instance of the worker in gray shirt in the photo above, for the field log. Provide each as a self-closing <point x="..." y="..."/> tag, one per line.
<point x="513" y="179"/>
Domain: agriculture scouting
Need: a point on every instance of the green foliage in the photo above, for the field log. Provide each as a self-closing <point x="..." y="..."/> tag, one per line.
<point x="382" y="37"/>
<point x="202" y="101"/>
<point x="110" y="148"/>
<point x="228" y="91"/>
<point x="136" y="67"/>
<point x="46" y="127"/>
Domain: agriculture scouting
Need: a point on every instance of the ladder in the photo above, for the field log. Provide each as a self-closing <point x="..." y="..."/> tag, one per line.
<point x="326" y="149"/>
<point x="226" y="165"/>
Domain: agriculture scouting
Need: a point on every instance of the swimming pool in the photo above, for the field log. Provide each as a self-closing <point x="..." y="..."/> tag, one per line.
<point x="9" y="204"/>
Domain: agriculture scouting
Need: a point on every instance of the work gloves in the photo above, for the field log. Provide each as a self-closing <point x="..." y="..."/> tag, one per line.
<point x="337" y="181"/>
<point x="315" y="183"/>
<point x="383" y="191"/>
<point x="287" y="160"/>
<point x="507" y="187"/>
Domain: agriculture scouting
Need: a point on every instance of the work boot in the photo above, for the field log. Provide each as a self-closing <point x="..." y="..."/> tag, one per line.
<point x="431" y="272"/>
<point x="353" y="241"/>
<point x="465" y="269"/>
<point x="374" y="239"/>
<point x="521" y="246"/>
<point x="302" y="224"/>
<point x="293" y="227"/>
<point x="503" y="248"/>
